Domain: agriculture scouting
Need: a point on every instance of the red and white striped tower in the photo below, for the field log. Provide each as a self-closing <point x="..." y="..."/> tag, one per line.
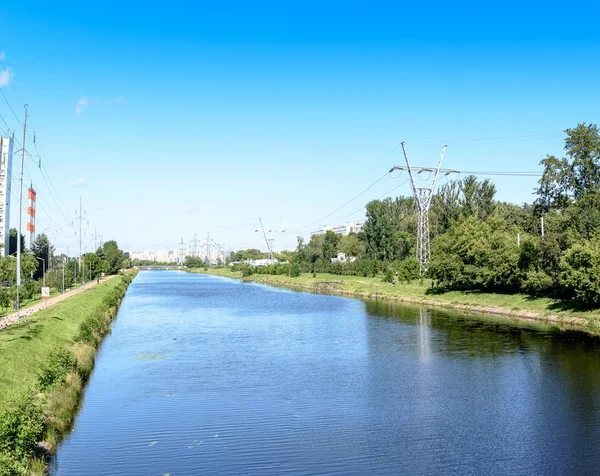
<point x="31" y="218"/>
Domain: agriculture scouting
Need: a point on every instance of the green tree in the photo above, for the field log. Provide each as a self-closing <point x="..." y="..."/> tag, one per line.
<point x="42" y="250"/>
<point x="567" y="179"/>
<point x="12" y="241"/>
<point x="330" y="244"/>
<point x="111" y="257"/>
<point x="580" y="275"/>
<point x="352" y="245"/>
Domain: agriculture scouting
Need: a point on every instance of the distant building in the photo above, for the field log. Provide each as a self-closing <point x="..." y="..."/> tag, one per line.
<point x="160" y="256"/>
<point x="259" y="263"/>
<point x="6" y="152"/>
<point x="341" y="258"/>
<point x="350" y="227"/>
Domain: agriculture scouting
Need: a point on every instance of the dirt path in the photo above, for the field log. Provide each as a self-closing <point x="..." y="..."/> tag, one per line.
<point x="28" y="311"/>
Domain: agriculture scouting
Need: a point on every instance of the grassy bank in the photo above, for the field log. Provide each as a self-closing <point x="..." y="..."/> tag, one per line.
<point x="44" y="363"/>
<point x="514" y="305"/>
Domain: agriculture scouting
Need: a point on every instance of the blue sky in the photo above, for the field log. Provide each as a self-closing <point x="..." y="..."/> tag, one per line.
<point x="191" y="117"/>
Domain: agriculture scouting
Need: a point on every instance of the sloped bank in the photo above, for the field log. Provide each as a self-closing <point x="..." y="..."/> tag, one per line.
<point x="372" y="288"/>
<point x="44" y="364"/>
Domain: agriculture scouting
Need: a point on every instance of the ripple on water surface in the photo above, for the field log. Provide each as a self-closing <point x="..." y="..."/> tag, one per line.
<point x="204" y="375"/>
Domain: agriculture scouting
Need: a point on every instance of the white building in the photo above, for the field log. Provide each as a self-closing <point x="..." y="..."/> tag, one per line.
<point x="6" y="151"/>
<point x="350" y="227"/>
<point x="160" y="256"/>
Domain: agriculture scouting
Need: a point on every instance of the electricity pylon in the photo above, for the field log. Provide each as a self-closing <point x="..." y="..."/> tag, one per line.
<point x="423" y="197"/>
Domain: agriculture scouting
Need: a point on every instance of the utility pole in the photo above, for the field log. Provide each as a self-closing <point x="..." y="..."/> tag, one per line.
<point x="20" y="214"/>
<point x="63" y="270"/>
<point x="82" y="274"/>
<point x="269" y="242"/>
<point x="95" y="249"/>
<point x="542" y="228"/>
<point x="181" y="251"/>
<point x="208" y="240"/>
<point x="423" y="196"/>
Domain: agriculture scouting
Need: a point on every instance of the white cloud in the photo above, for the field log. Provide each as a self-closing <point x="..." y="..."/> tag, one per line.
<point x="2" y="56"/>
<point x="119" y="100"/>
<point x="77" y="183"/>
<point x="5" y="77"/>
<point x="84" y="102"/>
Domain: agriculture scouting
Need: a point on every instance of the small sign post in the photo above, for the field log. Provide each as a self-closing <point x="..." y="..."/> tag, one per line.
<point x="45" y="295"/>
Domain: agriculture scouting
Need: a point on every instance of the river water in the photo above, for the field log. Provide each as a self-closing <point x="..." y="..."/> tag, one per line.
<point x="205" y="375"/>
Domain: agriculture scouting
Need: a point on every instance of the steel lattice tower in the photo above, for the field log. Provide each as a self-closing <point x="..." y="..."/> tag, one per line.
<point x="423" y="197"/>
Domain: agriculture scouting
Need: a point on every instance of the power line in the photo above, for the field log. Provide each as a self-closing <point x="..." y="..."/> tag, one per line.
<point x="499" y="138"/>
<point x="348" y="202"/>
<point x="501" y="173"/>
<point x="365" y="205"/>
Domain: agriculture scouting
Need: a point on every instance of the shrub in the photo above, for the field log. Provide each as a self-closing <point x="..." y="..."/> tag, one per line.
<point x="580" y="274"/>
<point x="408" y="269"/>
<point x="247" y="270"/>
<point x="21" y="427"/>
<point x="294" y="270"/>
<point x="60" y="361"/>
<point x="537" y="282"/>
<point x="11" y="466"/>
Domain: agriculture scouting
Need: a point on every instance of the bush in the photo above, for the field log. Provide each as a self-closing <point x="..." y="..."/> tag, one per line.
<point x="580" y="272"/>
<point x="408" y="269"/>
<point x="21" y="427"/>
<point x="247" y="270"/>
<point x="537" y="282"/>
<point x="295" y="270"/>
<point x="60" y="361"/>
<point x="11" y="466"/>
<point x="94" y="327"/>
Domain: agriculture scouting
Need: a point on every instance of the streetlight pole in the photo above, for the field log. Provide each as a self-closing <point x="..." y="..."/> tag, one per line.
<point x="20" y="214"/>
<point x="43" y="271"/>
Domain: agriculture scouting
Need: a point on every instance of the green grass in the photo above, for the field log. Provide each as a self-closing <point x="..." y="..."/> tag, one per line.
<point x="5" y="311"/>
<point x="24" y="347"/>
<point x="418" y="292"/>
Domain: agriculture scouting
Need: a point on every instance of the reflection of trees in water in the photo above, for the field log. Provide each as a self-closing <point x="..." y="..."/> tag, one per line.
<point x="575" y="355"/>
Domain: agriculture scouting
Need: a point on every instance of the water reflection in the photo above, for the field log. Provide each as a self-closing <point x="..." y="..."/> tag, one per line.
<point x="254" y="380"/>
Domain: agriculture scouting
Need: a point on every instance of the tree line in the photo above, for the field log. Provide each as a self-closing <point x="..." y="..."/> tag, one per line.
<point x="40" y="264"/>
<point x="482" y="244"/>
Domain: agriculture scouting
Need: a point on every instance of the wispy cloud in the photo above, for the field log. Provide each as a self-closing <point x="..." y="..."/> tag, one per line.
<point x="2" y="56"/>
<point x="84" y="102"/>
<point x="6" y="76"/>
<point x="119" y="100"/>
<point x="77" y="183"/>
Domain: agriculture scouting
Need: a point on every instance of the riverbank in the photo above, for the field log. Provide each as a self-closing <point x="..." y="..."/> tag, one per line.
<point x="514" y="306"/>
<point x="44" y="362"/>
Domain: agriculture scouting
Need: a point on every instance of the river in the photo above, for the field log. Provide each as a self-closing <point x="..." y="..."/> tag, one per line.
<point x="206" y="375"/>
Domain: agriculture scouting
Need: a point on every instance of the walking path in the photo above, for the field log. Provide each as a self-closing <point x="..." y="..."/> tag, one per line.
<point x="27" y="311"/>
